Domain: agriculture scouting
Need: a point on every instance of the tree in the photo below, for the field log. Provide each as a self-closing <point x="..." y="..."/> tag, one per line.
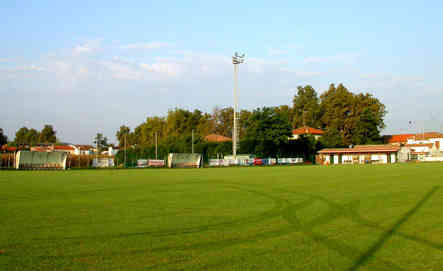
<point x="47" y="135"/>
<point x="244" y="122"/>
<point x="223" y="121"/>
<point x="32" y="137"/>
<point x="123" y="134"/>
<point x="367" y="129"/>
<point x="3" y="138"/>
<point x="21" y="136"/>
<point x="306" y="107"/>
<point x="350" y="119"/>
<point x="100" y="141"/>
<point x="267" y="133"/>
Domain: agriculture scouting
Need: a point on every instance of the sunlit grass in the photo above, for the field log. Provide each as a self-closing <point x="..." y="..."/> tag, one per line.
<point x="386" y="217"/>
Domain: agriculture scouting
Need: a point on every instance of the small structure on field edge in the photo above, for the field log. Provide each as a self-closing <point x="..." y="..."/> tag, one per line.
<point x="41" y="160"/>
<point x="360" y="154"/>
<point x="185" y="160"/>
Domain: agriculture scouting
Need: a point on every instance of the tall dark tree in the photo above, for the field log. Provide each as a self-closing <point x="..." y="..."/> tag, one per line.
<point x="306" y="107"/>
<point x="47" y="134"/>
<point x="267" y="133"/>
<point x="367" y="129"/>
<point x="21" y="136"/>
<point x="32" y="137"/>
<point x="343" y="118"/>
<point x="3" y="138"/>
<point x="243" y="122"/>
<point x="122" y="135"/>
<point x="224" y="121"/>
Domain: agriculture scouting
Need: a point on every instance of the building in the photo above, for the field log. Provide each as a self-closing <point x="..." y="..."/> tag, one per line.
<point x="360" y="154"/>
<point x="398" y="139"/>
<point x="217" y="138"/>
<point x="427" y="146"/>
<point x="112" y="151"/>
<point x="83" y="149"/>
<point x="434" y="138"/>
<point x="63" y="148"/>
<point x="305" y="130"/>
<point x="71" y="149"/>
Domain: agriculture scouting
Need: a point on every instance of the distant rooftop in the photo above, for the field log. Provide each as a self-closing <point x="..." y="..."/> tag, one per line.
<point x="306" y="130"/>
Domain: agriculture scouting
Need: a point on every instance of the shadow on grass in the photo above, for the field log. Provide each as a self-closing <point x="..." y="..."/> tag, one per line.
<point x="393" y="230"/>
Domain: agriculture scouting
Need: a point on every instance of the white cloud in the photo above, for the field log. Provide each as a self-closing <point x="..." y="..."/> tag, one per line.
<point x="122" y="70"/>
<point x="87" y="47"/>
<point x="82" y="49"/>
<point x="148" y="45"/>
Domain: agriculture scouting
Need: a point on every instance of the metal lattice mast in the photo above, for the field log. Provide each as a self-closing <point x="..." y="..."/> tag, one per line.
<point x="236" y="60"/>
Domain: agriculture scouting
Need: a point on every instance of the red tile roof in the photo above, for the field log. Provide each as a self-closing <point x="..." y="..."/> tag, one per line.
<point x="41" y="149"/>
<point x="363" y="149"/>
<point x="400" y="138"/>
<point x="307" y="130"/>
<point x="217" y="138"/>
<point x="428" y="135"/>
<point x="64" y="147"/>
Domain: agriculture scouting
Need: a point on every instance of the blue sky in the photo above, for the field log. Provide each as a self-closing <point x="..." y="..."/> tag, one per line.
<point x="91" y="66"/>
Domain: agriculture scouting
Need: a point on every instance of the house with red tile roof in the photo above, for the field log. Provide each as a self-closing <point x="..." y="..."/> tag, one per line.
<point x="306" y="130"/>
<point x="418" y="146"/>
<point x="398" y="139"/>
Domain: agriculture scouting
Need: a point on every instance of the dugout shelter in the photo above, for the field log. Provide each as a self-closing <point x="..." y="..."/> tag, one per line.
<point x="41" y="160"/>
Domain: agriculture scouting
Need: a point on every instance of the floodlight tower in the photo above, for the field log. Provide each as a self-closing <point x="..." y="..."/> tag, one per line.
<point x="237" y="59"/>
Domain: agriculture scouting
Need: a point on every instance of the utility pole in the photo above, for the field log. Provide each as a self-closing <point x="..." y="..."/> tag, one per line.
<point x="96" y="153"/>
<point x="237" y="59"/>
<point x="124" y="165"/>
<point x="192" y="140"/>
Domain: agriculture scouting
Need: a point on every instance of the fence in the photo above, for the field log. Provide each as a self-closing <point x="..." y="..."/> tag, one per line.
<point x="144" y="163"/>
<point x="7" y="160"/>
<point x="254" y="162"/>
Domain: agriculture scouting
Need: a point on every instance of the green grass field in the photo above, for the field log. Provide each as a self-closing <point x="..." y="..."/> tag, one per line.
<point x="275" y="218"/>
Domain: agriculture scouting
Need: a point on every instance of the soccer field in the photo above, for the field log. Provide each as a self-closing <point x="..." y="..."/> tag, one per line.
<point x="386" y="217"/>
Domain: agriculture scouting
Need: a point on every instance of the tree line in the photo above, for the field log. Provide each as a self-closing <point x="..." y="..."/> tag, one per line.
<point x="347" y="119"/>
<point x="31" y="136"/>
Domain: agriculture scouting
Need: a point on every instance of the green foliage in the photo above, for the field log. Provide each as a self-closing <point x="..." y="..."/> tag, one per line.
<point x="21" y="136"/>
<point x="32" y="137"/>
<point x="267" y="133"/>
<point x="122" y="135"/>
<point x="47" y="135"/>
<point x="351" y="119"/>
<point x="306" y="108"/>
<point x="346" y="118"/>
<point x="3" y="138"/>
